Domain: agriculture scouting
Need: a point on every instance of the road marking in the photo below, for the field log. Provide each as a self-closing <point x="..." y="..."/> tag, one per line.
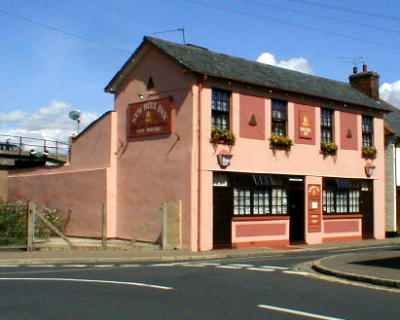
<point x="74" y="265"/>
<point x="103" y="265"/>
<point x="241" y="265"/>
<point x="297" y="312"/>
<point x="137" y="284"/>
<point x="274" y="267"/>
<point x="210" y="264"/>
<point x="228" y="267"/>
<point x="261" y="269"/>
<point x="41" y="266"/>
<point x="165" y="264"/>
<point x="9" y="265"/>
<point x="192" y="265"/>
<point x="129" y="265"/>
<point x="300" y="273"/>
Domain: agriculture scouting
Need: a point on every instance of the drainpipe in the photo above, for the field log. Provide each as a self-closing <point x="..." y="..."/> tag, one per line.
<point x="200" y="88"/>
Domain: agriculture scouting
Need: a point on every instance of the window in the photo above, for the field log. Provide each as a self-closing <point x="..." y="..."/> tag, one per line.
<point x="327" y="126"/>
<point x="341" y="196"/>
<point x="367" y="131"/>
<point x="221" y="102"/>
<point x="248" y="201"/>
<point x="279" y="117"/>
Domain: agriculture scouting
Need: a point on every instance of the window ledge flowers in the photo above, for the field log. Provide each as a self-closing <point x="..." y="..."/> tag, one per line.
<point x="219" y="136"/>
<point x="369" y="152"/>
<point x="329" y="148"/>
<point x="280" y="142"/>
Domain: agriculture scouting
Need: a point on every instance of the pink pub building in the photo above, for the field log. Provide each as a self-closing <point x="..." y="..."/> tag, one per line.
<point x="258" y="155"/>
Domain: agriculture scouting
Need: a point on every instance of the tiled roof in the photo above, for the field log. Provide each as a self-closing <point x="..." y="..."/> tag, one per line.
<point x="203" y="61"/>
<point x="392" y="118"/>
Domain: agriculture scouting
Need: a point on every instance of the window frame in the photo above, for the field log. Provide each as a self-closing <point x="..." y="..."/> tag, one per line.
<point x="277" y="105"/>
<point x="367" y="131"/>
<point x="342" y="201"/>
<point x="327" y="127"/>
<point x="219" y="112"/>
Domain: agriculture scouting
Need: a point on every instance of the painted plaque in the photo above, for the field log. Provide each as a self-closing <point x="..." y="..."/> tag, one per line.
<point x="305" y="124"/>
<point x="305" y="129"/>
<point x="314" y="208"/>
<point x="149" y="118"/>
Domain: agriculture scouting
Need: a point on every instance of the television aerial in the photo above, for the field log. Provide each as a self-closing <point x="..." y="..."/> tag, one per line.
<point x="75" y="115"/>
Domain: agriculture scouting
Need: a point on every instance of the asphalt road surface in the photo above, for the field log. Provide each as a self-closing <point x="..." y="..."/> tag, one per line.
<point x="245" y="288"/>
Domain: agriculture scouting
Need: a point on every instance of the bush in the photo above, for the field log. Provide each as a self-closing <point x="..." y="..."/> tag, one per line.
<point x="369" y="152"/>
<point x="219" y="136"/>
<point x="280" y="142"/>
<point x="329" y="148"/>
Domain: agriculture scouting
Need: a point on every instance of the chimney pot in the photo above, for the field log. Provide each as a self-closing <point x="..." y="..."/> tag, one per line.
<point x="365" y="67"/>
<point x="355" y="70"/>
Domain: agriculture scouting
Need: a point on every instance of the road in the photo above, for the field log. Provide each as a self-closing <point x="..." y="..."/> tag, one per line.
<point x="245" y="288"/>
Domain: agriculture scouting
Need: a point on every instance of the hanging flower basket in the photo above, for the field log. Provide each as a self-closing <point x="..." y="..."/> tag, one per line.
<point x="329" y="149"/>
<point x="369" y="152"/>
<point x="219" y="136"/>
<point x="280" y="142"/>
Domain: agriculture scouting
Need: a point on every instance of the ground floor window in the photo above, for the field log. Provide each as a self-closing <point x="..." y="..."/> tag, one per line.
<point x="341" y="196"/>
<point x="254" y="201"/>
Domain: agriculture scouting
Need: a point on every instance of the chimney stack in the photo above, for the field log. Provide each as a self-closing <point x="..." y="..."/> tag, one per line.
<point x="366" y="81"/>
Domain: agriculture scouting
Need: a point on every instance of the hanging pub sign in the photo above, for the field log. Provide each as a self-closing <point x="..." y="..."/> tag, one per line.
<point x="149" y="118"/>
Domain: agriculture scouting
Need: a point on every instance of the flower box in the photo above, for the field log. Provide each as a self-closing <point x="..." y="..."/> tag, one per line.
<point x="329" y="149"/>
<point x="369" y="152"/>
<point x="280" y="142"/>
<point x="219" y="136"/>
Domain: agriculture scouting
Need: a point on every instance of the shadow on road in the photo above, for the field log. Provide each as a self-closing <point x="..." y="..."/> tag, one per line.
<point x="393" y="263"/>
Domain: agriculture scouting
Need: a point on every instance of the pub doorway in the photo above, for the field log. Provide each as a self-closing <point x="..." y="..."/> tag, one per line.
<point x="296" y="210"/>
<point x="367" y="209"/>
<point x="222" y="212"/>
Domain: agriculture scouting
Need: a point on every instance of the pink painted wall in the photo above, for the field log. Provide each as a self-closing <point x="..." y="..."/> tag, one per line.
<point x="156" y="169"/>
<point x="92" y="149"/>
<point x="348" y="131"/>
<point x="254" y="155"/>
<point x="260" y="230"/>
<point x="342" y="228"/>
<point x="81" y="192"/>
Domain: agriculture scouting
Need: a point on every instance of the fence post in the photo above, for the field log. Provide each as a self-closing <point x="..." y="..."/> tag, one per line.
<point x="164" y="212"/>
<point x="103" y="226"/>
<point x="30" y="226"/>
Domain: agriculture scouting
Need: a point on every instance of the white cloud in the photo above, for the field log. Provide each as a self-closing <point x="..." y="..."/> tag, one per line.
<point x="49" y="122"/>
<point x="390" y="92"/>
<point x="297" y="63"/>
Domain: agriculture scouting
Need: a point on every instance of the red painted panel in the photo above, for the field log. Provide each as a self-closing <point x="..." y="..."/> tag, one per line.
<point x="348" y="131"/>
<point x="304" y="124"/>
<point x="252" y="117"/>
<point x="254" y="230"/>
<point x="314" y="208"/>
<point x="334" y="226"/>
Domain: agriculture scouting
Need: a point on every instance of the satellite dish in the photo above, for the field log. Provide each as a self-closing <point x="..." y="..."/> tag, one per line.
<point x="75" y="115"/>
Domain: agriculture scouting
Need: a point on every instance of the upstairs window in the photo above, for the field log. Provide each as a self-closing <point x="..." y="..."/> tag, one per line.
<point x="220" y="109"/>
<point x="327" y="126"/>
<point x="279" y="117"/>
<point x="367" y="131"/>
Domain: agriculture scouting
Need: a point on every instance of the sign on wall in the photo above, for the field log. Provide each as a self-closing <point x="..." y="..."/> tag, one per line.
<point x="149" y="118"/>
<point x="314" y="208"/>
<point x="305" y="124"/>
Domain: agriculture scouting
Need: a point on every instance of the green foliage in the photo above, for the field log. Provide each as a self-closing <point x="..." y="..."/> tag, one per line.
<point x="13" y="223"/>
<point x="219" y="136"/>
<point x="329" y="148"/>
<point x="280" y="142"/>
<point x="369" y="152"/>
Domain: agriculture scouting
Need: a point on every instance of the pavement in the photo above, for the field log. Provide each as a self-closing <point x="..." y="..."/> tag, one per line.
<point x="380" y="268"/>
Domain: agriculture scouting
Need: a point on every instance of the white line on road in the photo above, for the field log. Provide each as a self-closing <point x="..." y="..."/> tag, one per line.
<point x="228" y="267"/>
<point x="137" y="284"/>
<point x="261" y="269"/>
<point x="241" y="265"/>
<point x="41" y="266"/>
<point x="129" y="265"/>
<point x="9" y="265"/>
<point x="74" y="265"/>
<point x="103" y="265"/>
<point x="274" y="267"/>
<point x="296" y="312"/>
<point x="165" y="264"/>
<point x="300" y="273"/>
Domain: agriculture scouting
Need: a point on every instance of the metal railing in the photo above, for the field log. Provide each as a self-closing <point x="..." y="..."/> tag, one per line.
<point x="19" y="145"/>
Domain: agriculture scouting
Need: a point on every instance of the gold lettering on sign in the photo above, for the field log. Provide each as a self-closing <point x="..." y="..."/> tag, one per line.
<point x="305" y="126"/>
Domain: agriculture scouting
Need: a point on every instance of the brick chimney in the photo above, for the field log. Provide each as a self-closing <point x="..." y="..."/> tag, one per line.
<point x="366" y="81"/>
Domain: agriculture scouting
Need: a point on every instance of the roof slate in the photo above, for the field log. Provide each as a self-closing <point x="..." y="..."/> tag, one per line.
<point x="393" y="118"/>
<point x="218" y="65"/>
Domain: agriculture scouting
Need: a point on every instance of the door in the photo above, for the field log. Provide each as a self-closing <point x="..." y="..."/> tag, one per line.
<point x="222" y="216"/>
<point x="367" y="210"/>
<point x="296" y="212"/>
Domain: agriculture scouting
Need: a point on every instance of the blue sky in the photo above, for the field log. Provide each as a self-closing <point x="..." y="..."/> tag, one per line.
<point x="45" y="73"/>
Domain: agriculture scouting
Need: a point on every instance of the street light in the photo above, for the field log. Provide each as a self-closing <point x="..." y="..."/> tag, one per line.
<point x="75" y="115"/>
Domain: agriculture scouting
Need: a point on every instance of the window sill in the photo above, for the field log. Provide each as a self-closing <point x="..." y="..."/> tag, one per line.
<point x="341" y="216"/>
<point x="261" y="218"/>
